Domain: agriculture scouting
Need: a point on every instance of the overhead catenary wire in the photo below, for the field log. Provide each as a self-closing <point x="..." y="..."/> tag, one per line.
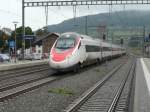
<point x="57" y="12"/>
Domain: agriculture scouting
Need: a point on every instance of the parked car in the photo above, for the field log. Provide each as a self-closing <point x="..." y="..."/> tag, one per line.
<point x="4" y="57"/>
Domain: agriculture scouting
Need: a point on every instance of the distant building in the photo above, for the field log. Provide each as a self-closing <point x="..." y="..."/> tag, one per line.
<point x="44" y="44"/>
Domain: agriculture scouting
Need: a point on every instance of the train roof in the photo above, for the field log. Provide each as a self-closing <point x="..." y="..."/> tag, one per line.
<point x="73" y="33"/>
<point x="94" y="40"/>
<point x="90" y="38"/>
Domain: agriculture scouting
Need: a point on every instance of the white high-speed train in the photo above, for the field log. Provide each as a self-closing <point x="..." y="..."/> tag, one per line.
<point x="72" y="50"/>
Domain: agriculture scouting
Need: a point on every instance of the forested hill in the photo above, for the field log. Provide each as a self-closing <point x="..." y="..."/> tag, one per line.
<point x="132" y="18"/>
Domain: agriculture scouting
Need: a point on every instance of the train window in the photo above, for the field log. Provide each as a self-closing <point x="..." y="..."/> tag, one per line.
<point x="65" y="43"/>
<point x="107" y="48"/>
<point x="91" y="48"/>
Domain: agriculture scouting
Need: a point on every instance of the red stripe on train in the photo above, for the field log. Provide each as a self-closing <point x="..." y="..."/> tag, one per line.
<point x="63" y="54"/>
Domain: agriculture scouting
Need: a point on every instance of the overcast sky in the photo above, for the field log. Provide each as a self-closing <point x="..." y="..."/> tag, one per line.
<point x="11" y="10"/>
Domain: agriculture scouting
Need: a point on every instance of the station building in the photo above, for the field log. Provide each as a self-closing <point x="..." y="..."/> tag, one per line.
<point x="44" y="44"/>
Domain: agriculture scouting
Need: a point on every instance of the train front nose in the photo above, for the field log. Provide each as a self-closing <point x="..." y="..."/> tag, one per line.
<point x="63" y="64"/>
<point x="61" y="53"/>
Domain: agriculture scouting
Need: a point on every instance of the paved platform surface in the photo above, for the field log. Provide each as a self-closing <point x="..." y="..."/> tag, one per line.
<point x="142" y="86"/>
<point x="19" y="64"/>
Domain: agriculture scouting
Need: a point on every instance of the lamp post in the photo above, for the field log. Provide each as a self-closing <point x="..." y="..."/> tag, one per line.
<point x="15" y="24"/>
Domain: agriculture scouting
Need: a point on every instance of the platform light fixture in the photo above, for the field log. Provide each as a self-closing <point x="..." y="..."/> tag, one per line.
<point x="15" y="24"/>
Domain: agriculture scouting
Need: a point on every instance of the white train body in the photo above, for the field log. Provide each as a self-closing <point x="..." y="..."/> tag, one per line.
<point x="71" y="49"/>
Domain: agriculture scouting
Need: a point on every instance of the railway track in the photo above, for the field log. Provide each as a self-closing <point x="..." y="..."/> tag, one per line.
<point x="17" y="78"/>
<point x="22" y="68"/>
<point x="24" y="81"/>
<point x="7" y="91"/>
<point x="16" y="81"/>
<point x="14" y="89"/>
<point x="23" y="71"/>
<point x="111" y="94"/>
<point x="10" y="90"/>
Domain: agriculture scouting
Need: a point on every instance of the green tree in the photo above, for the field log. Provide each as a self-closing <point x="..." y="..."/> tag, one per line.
<point x="42" y="32"/>
<point x="28" y="31"/>
<point x="3" y="41"/>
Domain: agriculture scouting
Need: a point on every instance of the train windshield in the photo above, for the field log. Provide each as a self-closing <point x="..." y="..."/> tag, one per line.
<point x="65" y="43"/>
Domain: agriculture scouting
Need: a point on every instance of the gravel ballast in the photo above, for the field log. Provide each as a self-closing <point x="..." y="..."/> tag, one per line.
<point x="56" y="96"/>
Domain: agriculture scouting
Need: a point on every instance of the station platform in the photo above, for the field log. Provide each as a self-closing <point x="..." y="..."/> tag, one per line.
<point x="20" y="64"/>
<point x="142" y="86"/>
